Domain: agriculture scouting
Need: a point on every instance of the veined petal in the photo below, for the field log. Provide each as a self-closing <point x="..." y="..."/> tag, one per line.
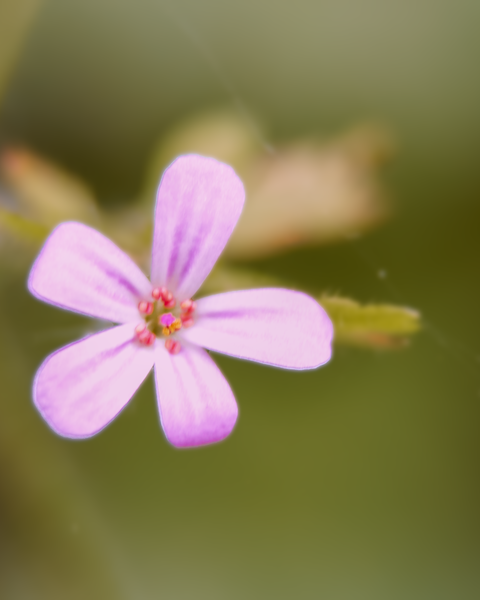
<point x="80" y="269"/>
<point x="80" y="388"/>
<point x="273" y="326"/>
<point x="196" y="403"/>
<point x="198" y="204"/>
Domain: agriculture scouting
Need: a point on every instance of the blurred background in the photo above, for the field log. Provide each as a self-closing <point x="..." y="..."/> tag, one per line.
<point x="355" y="127"/>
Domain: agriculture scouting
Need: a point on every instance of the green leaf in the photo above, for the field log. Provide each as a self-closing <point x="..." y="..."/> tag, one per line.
<point x="370" y="325"/>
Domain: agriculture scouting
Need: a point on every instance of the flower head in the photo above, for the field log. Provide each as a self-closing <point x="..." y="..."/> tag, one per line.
<point x="80" y="388"/>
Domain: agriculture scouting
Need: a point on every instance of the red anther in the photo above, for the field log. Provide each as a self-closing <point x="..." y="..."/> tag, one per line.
<point x="188" y="306"/>
<point x="169" y="303"/>
<point x="156" y="293"/>
<point x="165" y="295"/>
<point x="172" y="346"/>
<point x="187" y="320"/>
<point x="146" y="308"/>
<point x="144" y="337"/>
<point x="140" y="329"/>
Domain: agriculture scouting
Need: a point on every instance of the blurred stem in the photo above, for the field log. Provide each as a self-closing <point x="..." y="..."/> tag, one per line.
<point x="26" y="229"/>
<point x="16" y="17"/>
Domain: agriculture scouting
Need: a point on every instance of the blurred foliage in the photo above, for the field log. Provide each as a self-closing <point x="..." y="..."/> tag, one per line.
<point x="41" y="195"/>
<point x="45" y="193"/>
<point x="46" y="519"/>
<point x="309" y="191"/>
<point x="357" y="480"/>
<point x="15" y="21"/>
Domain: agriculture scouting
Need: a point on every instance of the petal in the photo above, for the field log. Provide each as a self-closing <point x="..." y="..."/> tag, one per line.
<point x="80" y="269"/>
<point x="80" y="388"/>
<point x="195" y="401"/>
<point x="274" y="326"/>
<point x="198" y="204"/>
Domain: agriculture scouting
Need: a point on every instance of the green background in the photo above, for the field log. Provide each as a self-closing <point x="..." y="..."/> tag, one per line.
<point x="357" y="481"/>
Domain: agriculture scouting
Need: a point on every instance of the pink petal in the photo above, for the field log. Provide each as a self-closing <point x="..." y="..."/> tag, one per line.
<point x="195" y="401"/>
<point x="198" y="204"/>
<point x="273" y="326"/>
<point x="80" y="269"/>
<point x="80" y="388"/>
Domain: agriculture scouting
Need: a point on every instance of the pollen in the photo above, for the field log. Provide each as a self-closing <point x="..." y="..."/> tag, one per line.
<point x="170" y="323"/>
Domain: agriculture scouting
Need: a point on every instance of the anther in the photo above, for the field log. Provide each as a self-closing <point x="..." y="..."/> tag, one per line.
<point x="146" y="308"/>
<point x="188" y="306"/>
<point x="165" y="294"/>
<point x="172" y="346"/>
<point x="161" y="293"/>
<point x="187" y="320"/>
<point x="140" y="329"/>
<point x="144" y="335"/>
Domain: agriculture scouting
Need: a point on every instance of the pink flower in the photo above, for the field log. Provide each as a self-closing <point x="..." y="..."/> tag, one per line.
<point x="80" y="388"/>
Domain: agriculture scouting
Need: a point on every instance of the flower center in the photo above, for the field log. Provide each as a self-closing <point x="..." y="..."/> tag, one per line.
<point x="162" y="318"/>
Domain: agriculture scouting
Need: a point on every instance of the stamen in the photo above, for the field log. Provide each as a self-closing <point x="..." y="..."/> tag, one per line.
<point x="140" y="328"/>
<point x="188" y="306"/>
<point x="144" y="335"/>
<point x="168" y="322"/>
<point x="146" y="308"/>
<point x="161" y="293"/>
<point x="172" y="346"/>
<point x="187" y="320"/>
<point x="166" y="295"/>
